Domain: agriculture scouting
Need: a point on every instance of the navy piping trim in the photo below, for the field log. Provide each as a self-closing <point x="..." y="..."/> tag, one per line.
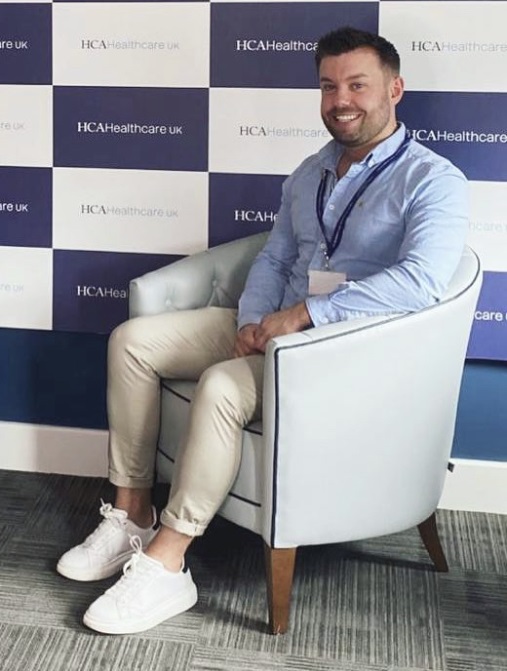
<point x="170" y="390"/>
<point x="166" y="456"/>
<point x="275" y="455"/>
<point x="245" y="500"/>
<point x="236" y="496"/>
<point x="250" y="430"/>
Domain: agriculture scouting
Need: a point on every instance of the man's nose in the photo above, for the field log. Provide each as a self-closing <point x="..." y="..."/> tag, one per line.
<point x="341" y="97"/>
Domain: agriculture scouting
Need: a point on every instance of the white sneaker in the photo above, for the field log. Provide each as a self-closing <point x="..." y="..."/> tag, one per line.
<point x="146" y="595"/>
<point x="106" y="550"/>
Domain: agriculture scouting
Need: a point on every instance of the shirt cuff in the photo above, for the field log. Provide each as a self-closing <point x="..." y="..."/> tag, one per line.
<point x="318" y="308"/>
<point x="251" y="318"/>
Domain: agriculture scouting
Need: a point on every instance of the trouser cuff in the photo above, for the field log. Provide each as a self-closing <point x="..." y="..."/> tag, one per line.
<point x="120" y="480"/>
<point x="182" y="526"/>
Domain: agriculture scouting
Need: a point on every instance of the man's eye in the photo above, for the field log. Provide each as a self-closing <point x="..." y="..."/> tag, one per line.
<point x="327" y="88"/>
<point x="357" y="86"/>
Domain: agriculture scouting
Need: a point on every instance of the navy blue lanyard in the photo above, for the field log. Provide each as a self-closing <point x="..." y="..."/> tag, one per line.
<point x="332" y="244"/>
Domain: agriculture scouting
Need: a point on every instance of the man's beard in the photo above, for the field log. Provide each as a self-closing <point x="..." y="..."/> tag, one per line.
<point x="367" y="130"/>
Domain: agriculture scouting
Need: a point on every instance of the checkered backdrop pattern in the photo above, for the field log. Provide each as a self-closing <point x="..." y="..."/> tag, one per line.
<point x="134" y="133"/>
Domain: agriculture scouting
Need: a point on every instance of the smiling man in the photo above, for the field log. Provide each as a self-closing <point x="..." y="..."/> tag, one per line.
<point x="374" y="223"/>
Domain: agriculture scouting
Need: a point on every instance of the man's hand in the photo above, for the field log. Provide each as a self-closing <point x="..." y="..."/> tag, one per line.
<point x="245" y="341"/>
<point x="291" y="320"/>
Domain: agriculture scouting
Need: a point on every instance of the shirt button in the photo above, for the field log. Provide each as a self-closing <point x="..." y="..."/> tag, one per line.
<point x="331" y="207"/>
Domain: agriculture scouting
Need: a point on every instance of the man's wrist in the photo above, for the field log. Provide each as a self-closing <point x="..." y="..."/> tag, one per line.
<point x="247" y="326"/>
<point x="305" y="321"/>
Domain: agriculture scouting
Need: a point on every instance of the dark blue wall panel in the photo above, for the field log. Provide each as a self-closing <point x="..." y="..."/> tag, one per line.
<point x="50" y="377"/>
<point x="481" y="429"/>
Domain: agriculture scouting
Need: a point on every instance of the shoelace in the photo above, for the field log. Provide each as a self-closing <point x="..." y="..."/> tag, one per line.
<point x="109" y="513"/>
<point x="137" y="546"/>
<point x="111" y="517"/>
<point x="130" y="569"/>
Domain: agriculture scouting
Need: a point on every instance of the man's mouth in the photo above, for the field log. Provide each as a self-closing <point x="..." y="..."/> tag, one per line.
<point x="345" y="117"/>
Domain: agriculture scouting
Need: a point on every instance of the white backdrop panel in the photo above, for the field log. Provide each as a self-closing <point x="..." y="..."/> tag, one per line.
<point x="105" y="210"/>
<point x="144" y="44"/>
<point x="267" y="131"/>
<point x="26" y="125"/>
<point x="26" y="287"/>
<point x="488" y="223"/>
<point x="449" y="46"/>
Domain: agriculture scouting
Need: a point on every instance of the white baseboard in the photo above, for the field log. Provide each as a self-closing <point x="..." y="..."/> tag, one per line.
<point x="53" y="449"/>
<point x="474" y="485"/>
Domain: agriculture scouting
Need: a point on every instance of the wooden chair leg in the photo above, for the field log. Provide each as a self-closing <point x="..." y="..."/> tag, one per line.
<point x="279" y="573"/>
<point x="429" y="534"/>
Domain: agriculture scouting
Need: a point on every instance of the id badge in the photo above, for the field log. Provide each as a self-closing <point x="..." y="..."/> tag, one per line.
<point x="324" y="281"/>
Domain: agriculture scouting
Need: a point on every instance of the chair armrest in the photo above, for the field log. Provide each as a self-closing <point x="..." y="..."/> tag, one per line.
<point x="361" y="414"/>
<point x="213" y="277"/>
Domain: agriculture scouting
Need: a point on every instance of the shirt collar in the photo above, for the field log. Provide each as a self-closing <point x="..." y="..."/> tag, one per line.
<point x="330" y="154"/>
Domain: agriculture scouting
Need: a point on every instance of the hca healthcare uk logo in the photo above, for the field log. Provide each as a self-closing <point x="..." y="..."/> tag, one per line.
<point x="275" y="45"/>
<point x="457" y="47"/>
<point x="271" y="131"/>
<point x="118" y="210"/>
<point x="130" y="128"/>
<point x="462" y="135"/>
<point x="128" y="44"/>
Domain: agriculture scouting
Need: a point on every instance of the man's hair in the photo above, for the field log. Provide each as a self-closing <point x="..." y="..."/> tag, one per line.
<point x="343" y="40"/>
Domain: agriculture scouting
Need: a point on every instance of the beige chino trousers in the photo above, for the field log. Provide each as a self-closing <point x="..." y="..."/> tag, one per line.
<point x="187" y="345"/>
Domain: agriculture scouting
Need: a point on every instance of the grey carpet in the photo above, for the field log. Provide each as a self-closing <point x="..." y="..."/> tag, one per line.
<point x="376" y="605"/>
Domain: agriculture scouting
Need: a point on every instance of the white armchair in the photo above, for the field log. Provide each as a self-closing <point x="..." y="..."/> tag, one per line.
<point x="359" y="416"/>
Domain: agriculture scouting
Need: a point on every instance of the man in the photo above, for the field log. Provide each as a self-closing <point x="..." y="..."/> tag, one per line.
<point x="372" y="224"/>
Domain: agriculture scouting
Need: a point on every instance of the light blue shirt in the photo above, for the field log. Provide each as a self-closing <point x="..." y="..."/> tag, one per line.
<point x="401" y="243"/>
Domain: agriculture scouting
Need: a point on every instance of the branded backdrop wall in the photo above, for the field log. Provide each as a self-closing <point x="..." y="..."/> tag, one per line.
<point x="132" y="133"/>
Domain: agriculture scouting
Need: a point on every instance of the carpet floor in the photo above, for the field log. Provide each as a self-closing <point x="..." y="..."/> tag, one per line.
<point x="375" y="605"/>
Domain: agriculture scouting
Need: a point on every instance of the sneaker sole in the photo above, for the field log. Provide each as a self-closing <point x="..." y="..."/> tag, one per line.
<point x="184" y="602"/>
<point x="89" y="575"/>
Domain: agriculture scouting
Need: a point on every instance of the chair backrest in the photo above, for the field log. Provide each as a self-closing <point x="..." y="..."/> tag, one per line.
<point x="214" y="277"/>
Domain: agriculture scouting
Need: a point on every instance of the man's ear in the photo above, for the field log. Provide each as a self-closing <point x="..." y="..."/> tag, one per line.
<point x="397" y="89"/>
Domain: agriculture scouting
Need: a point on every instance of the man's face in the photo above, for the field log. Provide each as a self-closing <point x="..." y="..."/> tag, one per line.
<point x="359" y="97"/>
